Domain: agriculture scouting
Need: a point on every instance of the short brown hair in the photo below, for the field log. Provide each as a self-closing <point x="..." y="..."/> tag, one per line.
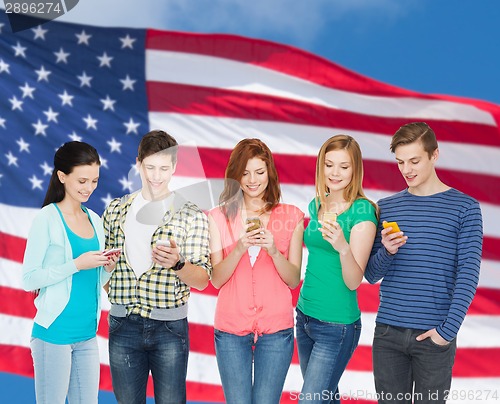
<point x="413" y="132"/>
<point x="157" y="141"/>
<point x="245" y="150"/>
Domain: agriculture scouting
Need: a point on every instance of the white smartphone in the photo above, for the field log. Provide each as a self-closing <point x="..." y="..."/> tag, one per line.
<point x="163" y="242"/>
<point x="111" y="251"/>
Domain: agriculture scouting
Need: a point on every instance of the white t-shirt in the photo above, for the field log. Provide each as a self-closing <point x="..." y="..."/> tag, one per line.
<point x="143" y="218"/>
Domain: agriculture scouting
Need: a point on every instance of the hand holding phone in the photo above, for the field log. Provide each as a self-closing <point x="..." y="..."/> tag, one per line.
<point x="165" y="243"/>
<point x="112" y="251"/>
<point x="330" y="216"/>
<point x="255" y="223"/>
<point x="393" y="225"/>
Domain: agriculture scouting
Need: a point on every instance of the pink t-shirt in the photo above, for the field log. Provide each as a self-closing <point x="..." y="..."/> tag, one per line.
<point x="255" y="299"/>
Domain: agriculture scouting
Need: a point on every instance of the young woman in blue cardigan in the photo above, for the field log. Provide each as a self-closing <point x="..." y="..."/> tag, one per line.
<point x="65" y="266"/>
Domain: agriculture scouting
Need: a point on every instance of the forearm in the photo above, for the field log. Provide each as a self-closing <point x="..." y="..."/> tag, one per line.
<point x="193" y="276"/>
<point x="463" y="294"/>
<point x="352" y="273"/>
<point x="378" y="265"/>
<point x="289" y="273"/>
<point x="223" y="271"/>
<point x="37" y="277"/>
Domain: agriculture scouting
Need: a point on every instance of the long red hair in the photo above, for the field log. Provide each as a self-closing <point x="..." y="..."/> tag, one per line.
<point x="231" y="197"/>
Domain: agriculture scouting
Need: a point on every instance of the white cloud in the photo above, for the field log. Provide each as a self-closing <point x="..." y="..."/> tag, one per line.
<point x="300" y="21"/>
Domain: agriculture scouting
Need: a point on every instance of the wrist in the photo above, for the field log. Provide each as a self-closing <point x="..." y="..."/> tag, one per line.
<point x="180" y="263"/>
<point x="344" y="250"/>
<point x="275" y="253"/>
<point x="389" y="253"/>
<point x="77" y="266"/>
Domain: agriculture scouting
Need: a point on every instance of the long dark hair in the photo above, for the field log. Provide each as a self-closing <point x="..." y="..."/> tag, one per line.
<point x="67" y="157"/>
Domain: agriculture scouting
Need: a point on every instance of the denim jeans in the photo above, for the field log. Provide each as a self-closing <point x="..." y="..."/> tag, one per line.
<point x="138" y="345"/>
<point x="62" y="371"/>
<point x="271" y="354"/>
<point x="324" y="351"/>
<point x="400" y="362"/>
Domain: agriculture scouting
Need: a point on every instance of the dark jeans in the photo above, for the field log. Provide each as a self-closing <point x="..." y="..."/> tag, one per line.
<point x="138" y="345"/>
<point x="407" y="370"/>
<point x="324" y="351"/>
<point x="271" y="356"/>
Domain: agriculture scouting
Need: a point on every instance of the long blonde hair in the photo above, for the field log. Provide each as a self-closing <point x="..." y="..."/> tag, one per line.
<point x="354" y="189"/>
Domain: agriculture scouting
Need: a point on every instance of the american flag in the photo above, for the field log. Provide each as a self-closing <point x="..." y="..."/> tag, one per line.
<point x="107" y="87"/>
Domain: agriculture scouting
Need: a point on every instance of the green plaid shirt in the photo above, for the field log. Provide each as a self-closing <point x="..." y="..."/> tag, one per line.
<point x="158" y="287"/>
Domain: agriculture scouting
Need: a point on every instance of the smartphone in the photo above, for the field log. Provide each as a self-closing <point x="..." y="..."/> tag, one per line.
<point x="255" y="223"/>
<point x="331" y="216"/>
<point x="394" y="225"/>
<point x="163" y="242"/>
<point x="111" y="251"/>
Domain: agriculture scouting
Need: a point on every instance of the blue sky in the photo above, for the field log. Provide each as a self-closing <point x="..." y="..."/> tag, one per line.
<point x="437" y="47"/>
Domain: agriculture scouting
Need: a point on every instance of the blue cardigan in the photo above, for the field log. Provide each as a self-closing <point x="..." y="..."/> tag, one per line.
<point x="49" y="266"/>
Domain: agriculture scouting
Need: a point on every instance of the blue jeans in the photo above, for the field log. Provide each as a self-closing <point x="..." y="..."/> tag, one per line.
<point x="324" y="351"/>
<point x="70" y="370"/>
<point x="407" y="370"/>
<point x="138" y="345"/>
<point x="271" y="354"/>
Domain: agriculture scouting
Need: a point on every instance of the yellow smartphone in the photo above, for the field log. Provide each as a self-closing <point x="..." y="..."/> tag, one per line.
<point x="394" y="225"/>
<point x="332" y="216"/>
<point x="255" y="223"/>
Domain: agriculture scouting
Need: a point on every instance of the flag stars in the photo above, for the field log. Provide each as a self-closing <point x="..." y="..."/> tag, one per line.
<point x="91" y="122"/>
<point x="107" y="199"/>
<point x="51" y="115"/>
<point x="108" y="103"/>
<point x="133" y="167"/>
<point x="2" y="122"/>
<point x="131" y="126"/>
<point x="40" y="128"/>
<point x="16" y="104"/>
<point x="84" y="80"/>
<point x="66" y="99"/>
<point x="74" y="137"/>
<point x="105" y="60"/>
<point x="27" y="90"/>
<point x="11" y="159"/>
<point x="61" y="56"/>
<point x="104" y="162"/>
<point x="23" y="146"/>
<point x="128" y="83"/>
<point x="36" y="182"/>
<point x="4" y="67"/>
<point x="43" y="75"/>
<point x="19" y="50"/>
<point x="128" y="42"/>
<point x="114" y="145"/>
<point x="47" y="170"/>
<point x="126" y="184"/>
<point x="39" y="32"/>
<point x="83" y="38"/>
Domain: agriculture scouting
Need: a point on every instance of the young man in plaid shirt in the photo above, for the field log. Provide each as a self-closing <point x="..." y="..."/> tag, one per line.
<point x="165" y="251"/>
